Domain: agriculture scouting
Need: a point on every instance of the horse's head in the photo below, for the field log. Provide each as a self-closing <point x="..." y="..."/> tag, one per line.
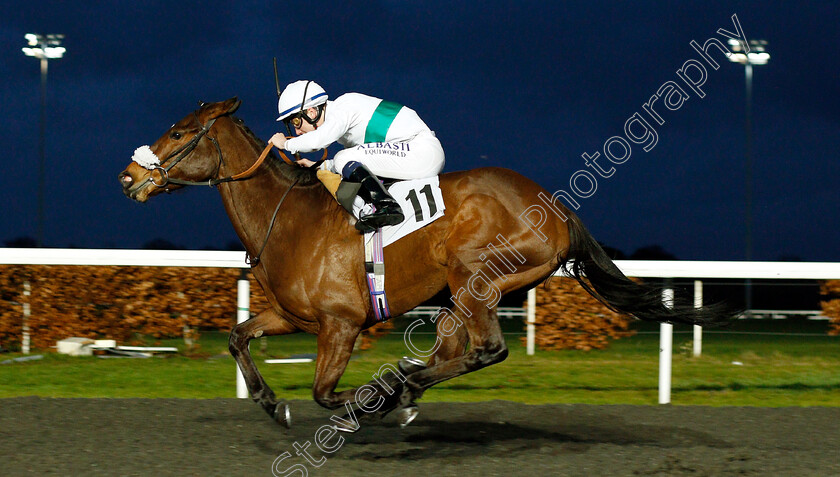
<point x="186" y="152"/>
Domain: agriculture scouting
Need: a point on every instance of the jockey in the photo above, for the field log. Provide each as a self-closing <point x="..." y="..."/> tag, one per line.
<point x="380" y="138"/>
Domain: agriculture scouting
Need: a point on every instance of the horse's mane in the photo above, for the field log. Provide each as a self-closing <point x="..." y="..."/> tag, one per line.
<point x="305" y="175"/>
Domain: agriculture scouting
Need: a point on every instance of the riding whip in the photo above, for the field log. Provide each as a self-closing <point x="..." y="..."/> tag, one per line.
<point x="276" y="78"/>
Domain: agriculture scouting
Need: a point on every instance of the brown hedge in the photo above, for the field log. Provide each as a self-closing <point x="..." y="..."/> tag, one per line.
<point x="117" y="302"/>
<point x="569" y="318"/>
<point x="830" y="290"/>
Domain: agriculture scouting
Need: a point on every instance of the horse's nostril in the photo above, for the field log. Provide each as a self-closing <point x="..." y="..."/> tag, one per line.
<point x="126" y="179"/>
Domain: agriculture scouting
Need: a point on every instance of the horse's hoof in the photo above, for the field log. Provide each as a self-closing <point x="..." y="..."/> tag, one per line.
<point x="345" y="429"/>
<point x="282" y="415"/>
<point x="338" y="426"/>
<point x="410" y="365"/>
<point x="407" y="414"/>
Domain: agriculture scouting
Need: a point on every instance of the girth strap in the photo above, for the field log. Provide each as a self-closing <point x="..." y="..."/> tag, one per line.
<point x="375" y="273"/>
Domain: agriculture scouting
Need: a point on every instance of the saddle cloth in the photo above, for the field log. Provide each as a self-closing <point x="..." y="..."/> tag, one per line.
<point x="421" y="202"/>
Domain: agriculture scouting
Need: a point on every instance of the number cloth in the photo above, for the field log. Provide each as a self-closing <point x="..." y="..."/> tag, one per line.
<point x="421" y="201"/>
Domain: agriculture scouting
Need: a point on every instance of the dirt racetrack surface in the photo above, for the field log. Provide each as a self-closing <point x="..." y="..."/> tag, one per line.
<point x="231" y="437"/>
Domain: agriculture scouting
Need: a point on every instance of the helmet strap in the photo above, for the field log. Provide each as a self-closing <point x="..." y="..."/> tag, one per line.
<point x="303" y="114"/>
<point x="314" y="122"/>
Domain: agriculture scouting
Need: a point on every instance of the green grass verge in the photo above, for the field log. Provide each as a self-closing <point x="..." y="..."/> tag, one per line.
<point x="783" y="369"/>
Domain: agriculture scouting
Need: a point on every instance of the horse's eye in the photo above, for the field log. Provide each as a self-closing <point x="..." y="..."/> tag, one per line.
<point x="175" y="135"/>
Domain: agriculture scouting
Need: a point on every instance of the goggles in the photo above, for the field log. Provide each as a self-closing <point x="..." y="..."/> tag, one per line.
<point x="295" y="121"/>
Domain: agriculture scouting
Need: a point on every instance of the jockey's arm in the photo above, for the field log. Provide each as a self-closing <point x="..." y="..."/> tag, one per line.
<point x="329" y="132"/>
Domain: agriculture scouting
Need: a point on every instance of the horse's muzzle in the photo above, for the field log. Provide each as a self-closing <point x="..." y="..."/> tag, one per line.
<point x="126" y="180"/>
<point x="131" y="185"/>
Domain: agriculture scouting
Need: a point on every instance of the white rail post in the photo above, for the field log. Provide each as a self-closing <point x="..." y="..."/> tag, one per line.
<point x="666" y="342"/>
<point x="698" y="330"/>
<point x="243" y="299"/>
<point x="24" y="345"/>
<point x="531" y="319"/>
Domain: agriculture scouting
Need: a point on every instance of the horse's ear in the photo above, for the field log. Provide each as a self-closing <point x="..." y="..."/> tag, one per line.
<point x="221" y="108"/>
<point x="233" y="104"/>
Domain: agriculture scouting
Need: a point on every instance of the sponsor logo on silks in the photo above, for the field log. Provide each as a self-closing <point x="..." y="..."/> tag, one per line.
<point x="388" y="148"/>
<point x="397" y="146"/>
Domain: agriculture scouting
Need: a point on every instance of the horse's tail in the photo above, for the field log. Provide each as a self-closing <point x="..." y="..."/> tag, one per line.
<point x="599" y="276"/>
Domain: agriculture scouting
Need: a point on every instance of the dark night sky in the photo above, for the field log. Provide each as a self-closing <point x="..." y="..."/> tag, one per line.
<point x="526" y="85"/>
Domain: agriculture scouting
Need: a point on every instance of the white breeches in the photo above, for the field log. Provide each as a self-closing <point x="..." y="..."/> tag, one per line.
<point x="420" y="157"/>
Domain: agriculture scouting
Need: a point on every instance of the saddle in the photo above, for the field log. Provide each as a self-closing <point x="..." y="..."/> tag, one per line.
<point x="421" y="202"/>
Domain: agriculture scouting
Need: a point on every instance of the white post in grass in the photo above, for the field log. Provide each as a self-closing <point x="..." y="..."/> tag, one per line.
<point x="24" y="345"/>
<point x="531" y="319"/>
<point x="666" y="341"/>
<point x="698" y="330"/>
<point x="243" y="299"/>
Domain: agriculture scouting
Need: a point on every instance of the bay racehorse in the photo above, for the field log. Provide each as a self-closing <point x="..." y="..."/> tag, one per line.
<point x="499" y="234"/>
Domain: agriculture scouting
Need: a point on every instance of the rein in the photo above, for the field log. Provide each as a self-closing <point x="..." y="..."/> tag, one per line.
<point x="255" y="260"/>
<point x="187" y="148"/>
<point x="293" y="163"/>
<point x="246" y="174"/>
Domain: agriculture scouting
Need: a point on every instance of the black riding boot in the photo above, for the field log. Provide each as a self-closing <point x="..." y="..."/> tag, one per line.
<point x="388" y="211"/>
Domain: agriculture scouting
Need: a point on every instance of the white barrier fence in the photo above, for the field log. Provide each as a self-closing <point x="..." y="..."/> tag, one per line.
<point x="632" y="268"/>
<point x="141" y="258"/>
<point x="699" y="270"/>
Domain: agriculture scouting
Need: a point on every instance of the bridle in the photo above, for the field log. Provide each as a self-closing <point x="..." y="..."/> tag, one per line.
<point x="187" y="148"/>
<point x="183" y="152"/>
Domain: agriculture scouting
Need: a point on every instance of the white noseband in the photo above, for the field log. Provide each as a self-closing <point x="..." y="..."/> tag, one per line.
<point x="144" y="156"/>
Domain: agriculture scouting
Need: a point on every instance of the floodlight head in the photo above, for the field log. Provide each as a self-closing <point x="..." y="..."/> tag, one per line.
<point x="754" y="54"/>
<point x="44" y="47"/>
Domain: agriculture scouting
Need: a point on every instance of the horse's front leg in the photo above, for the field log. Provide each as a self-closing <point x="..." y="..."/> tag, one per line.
<point x="335" y="345"/>
<point x="267" y="323"/>
<point x="336" y="338"/>
<point x="380" y="396"/>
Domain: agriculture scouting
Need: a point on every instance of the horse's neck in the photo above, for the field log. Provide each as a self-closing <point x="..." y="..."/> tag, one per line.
<point x="250" y="203"/>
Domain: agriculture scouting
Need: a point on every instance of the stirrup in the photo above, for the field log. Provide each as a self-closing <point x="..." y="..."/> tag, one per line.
<point x="380" y="218"/>
<point x="386" y="210"/>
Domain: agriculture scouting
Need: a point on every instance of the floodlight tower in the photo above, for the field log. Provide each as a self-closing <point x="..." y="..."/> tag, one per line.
<point x="748" y="55"/>
<point x="44" y="48"/>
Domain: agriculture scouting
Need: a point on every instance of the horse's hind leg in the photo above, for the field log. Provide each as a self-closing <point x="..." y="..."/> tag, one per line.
<point x="452" y="343"/>
<point x="267" y="323"/>
<point x="487" y="344"/>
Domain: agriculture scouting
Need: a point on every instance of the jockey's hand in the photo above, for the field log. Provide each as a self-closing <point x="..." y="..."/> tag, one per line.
<point x="278" y="141"/>
<point x="305" y="163"/>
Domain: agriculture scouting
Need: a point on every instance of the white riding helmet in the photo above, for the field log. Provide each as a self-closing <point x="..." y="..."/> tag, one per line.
<point x="299" y="96"/>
